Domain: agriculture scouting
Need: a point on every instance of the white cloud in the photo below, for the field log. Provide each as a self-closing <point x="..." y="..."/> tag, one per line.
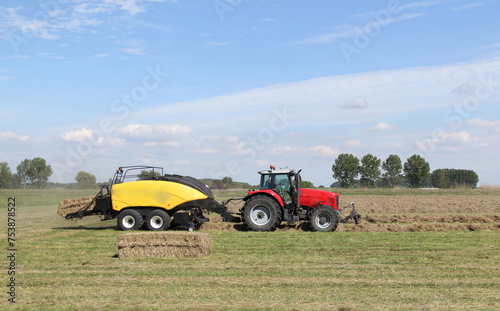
<point x="162" y="144"/>
<point x="462" y="136"/>
<point x="134" y="51"/>
<point x="113" y="141"/>
<point x="382" y="126"/>
<point x="405" y="17"/>
<point x="464" y="88"/>
<point x="344" y="31"/>
<point x="77" y="136"/>
<point x="421" y="4"/>
<point x="13" y="136"/>
<point x="209" y="151"/>
<point x="101" y="55"/>
<point x="213" y="137"/>
<point x="326" y="151"/>
<point x="52" y="18"/>
<point x="365" y="20"/>
<point x="469" y="6"/>
<point x="153" y="131"/>
<point x="173" y="130"/>
<point x="480" y="123"/>
<point x="281" y="150"/>
<point x="92" y="8"/>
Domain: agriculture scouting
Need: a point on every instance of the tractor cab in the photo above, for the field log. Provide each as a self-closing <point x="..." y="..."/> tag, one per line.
<point x="284" y="182"/>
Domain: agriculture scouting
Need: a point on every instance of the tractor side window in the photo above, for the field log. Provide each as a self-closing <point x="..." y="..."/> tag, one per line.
<point x="264" y="182"/>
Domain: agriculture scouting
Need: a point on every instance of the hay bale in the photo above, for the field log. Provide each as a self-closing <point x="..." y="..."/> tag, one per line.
<point x="164" y="244"/>
<point x="74" y="205"/>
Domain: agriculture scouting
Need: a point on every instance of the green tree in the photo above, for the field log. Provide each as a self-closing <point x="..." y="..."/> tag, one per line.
<point x="345" y="169"/>
<point x="5" y="176"/>
<point x="440" y="179"/>
<point x="23" y="172"/>
<point x="306" y="184"/>
<point x="227" y="182"/>
<point x="85" y="180"/>
<point x="217" y="184"/>
<point x="35" y="171"/>
<point x="447" y="178"/>
<point x="16" y="181"/>
<point x="392" y="167"/>
<point x="416" y="170"/>
<point x="369" y="170"/>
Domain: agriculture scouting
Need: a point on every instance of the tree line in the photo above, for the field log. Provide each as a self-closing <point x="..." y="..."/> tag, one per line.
<point x="35" y="173"/>
<point x="349" y="171"/>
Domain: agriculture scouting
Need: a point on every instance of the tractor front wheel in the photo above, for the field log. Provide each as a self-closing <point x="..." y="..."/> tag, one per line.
<point x="261" y="213"/>
<point x="157" y="220"/>
<point x="324" y="218"/>
<point x="130" y="219"/>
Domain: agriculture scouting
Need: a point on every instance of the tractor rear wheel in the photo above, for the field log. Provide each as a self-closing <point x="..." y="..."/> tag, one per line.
<point x="324" y="219"/>
<point x="261" y="213"/>
<point x="157" y="220"/>
<point x="130" y="219"/>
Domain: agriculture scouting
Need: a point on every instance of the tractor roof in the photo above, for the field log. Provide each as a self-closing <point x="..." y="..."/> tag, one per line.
<point x="278" y="171"/>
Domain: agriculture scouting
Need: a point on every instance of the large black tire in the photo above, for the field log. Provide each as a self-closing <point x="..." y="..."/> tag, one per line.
<point x="261" y="213"/>
<point x="130" y="219"/>
<point x="157" y="220"/>
<point x="324" y="219"/>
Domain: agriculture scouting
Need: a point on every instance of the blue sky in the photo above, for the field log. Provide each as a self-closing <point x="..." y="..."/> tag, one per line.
<point x="227" y="87"/>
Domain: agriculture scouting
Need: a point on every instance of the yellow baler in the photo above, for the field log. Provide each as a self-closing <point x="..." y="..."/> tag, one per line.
<point x="152" y="199"/>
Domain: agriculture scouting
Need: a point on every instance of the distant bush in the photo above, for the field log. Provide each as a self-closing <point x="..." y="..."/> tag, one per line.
<point x="453" y="178"/>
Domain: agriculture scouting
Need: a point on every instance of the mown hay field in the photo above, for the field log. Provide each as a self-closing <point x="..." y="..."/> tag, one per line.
<point x="464" y="210"/>
<point x="450" y="260"/>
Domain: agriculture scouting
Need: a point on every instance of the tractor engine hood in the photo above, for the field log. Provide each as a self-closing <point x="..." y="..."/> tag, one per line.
<point x="310" y="197"/>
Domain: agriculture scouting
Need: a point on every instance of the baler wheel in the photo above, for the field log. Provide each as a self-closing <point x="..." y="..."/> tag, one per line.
<point x="130" y="219"/>
<point x="157" y="220"/>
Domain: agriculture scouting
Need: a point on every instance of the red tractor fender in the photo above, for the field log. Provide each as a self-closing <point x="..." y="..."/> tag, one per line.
<point x="267" y="192"/>
<point x="318" y="204"/>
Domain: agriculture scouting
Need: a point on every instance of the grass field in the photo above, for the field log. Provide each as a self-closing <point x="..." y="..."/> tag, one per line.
<point x="68" y="265"/>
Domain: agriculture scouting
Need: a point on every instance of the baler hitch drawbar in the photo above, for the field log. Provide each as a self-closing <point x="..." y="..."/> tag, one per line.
<point x="353" y="215"/>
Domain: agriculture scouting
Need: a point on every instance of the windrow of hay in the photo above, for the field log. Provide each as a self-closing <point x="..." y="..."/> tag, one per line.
<point x="418" y="227"/>
<point x="218" y="226"/>
<point x="423" y="204"/>
<point x="164" y="244"/>
<point x="377" y="219"/>
<point x="74" y="205"/>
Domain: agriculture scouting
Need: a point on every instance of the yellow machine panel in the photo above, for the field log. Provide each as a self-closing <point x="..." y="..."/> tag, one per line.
<point x="152" y="193"/>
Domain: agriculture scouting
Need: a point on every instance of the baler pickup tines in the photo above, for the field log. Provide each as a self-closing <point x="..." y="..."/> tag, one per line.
<point x="88" y="209"/>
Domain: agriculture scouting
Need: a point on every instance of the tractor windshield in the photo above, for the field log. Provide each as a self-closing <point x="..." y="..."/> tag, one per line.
<point x="274" y="181"/>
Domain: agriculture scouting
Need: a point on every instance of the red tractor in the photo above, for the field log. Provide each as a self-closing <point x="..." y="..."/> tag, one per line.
<point x="280" y="198"/>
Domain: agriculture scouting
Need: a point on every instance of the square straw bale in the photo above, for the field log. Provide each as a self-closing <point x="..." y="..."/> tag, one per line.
<point x="164" y="244"/>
